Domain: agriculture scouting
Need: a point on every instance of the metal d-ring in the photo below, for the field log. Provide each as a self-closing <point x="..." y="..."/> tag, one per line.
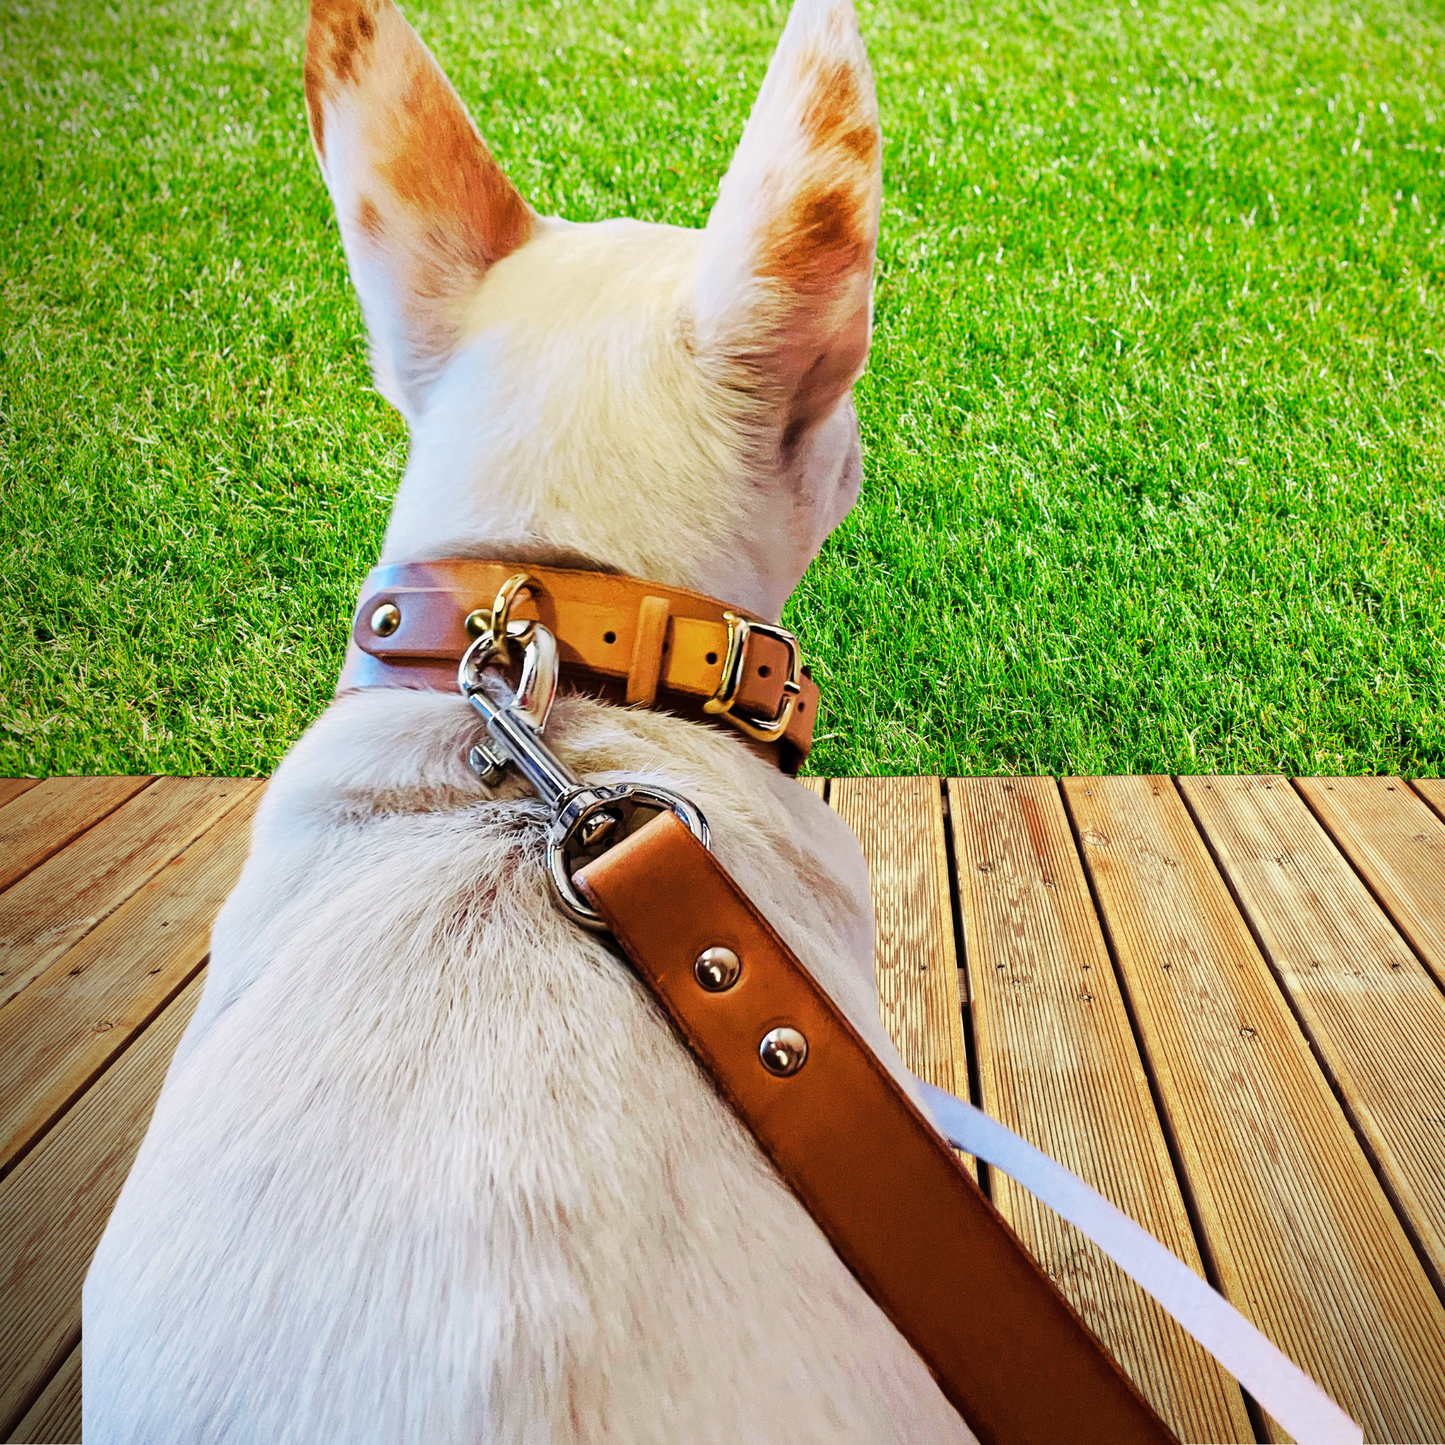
<point x="507" y="594"/>
<point x="591" y="820"/>
<point x="494" y="624"/>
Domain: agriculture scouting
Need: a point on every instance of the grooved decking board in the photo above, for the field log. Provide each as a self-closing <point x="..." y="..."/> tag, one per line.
<point x="46" y="817"/>
<point x="60" y="901"/>
<point x="54" y="1206"/>
<point x="899" y="822"/>
<point x="85" y="1008"/>
<point x="1398" y="845"/>
<point x="1375" y="1016"/>
<point x="814" y="785"/>
<point x="54" y="1419"/>
<point x="1058" y="1064"/>
<point x="1302" y="1236"/>
<point x="1433" y="791"/>
<point x="13" y="787"/>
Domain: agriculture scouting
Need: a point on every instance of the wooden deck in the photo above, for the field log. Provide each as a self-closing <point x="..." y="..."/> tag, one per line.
<point x="1220" y="1000"/>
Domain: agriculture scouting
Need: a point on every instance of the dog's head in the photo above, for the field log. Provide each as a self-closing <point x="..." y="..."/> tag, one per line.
<point x="669" y="402"/>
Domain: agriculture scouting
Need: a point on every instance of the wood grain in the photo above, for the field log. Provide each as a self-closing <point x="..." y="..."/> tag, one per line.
<point x="1375" y="1016"/>
<point x="814" y="785"/>
<point x="60" y="901"/>
<point x="899" y="823"/>
<point x="13" y="787"/>
<point x="54" y="1205"/>
<point x="54" y="1419"/>
<point x="50" y="814"/>
<point x="1302" y="1237"/>
<point x="1433" y="791"/>
<point x="86" y="1007"/>
<point x="1398" y="845"/>
<point x="1058" y="1064"/>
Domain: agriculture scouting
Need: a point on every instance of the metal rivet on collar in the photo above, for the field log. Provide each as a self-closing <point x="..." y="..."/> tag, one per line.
<point x="386" y="619"/>
<point x="717" y="969"/>
<point x="783" y="1051"/>
<point x="479" y="621"/>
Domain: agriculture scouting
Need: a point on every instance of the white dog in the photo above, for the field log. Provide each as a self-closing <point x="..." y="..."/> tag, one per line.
<point x="430" y="1165"/>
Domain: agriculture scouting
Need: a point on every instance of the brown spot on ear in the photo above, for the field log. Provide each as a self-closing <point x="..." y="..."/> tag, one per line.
<point x="312" y="79"/>
<point x="834" y="113"/>
<point x="439" y="169"/>
<point x="338" y="37"/>
<point x="368" y="218"/>
<point x="819" y="239"/>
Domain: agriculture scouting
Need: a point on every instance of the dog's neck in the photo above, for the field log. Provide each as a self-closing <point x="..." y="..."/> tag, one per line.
<point x="529" y="552"/>
<point x="575" y="417"/>
<point x="619" y="638"/>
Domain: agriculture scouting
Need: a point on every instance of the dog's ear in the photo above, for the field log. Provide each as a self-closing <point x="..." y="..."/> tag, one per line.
<point x="784" y="286"/>
<point x="424" y="209"/>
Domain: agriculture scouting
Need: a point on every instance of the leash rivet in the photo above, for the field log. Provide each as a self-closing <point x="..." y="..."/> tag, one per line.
<point x="717" y="969"/>
<point x="479" y="621"/>
<point x="783" y="1051"/>
<point x="599" y="828"/>
<point x="386" y="619"/>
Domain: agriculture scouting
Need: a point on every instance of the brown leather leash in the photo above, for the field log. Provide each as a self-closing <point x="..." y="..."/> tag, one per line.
<point x="1003" y="1343"/>
<point x="904" y="1215"/>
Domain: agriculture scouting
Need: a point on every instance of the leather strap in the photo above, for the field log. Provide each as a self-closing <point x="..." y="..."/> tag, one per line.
<point x="1286" y="1394"/>
<point x="1004" y="1345"/>
<point x="620" y="637"/>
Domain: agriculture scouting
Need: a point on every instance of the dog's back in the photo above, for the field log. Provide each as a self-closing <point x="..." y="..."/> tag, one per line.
<point x="430" y="1165"/>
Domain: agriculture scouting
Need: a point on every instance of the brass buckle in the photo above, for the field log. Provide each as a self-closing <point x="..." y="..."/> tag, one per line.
<point x="765" y="730"/>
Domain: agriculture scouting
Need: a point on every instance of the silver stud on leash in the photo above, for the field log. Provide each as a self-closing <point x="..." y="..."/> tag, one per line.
<point x="783" y="1051"/>
<point x="717" y="969"/>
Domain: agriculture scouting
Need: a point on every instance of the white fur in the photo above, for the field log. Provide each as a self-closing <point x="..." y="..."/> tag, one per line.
<point x="430" y="1165"/>
<point x="575" y="413"/>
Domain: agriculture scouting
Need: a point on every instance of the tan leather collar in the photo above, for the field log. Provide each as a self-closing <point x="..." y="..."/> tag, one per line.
<point x="617" y="637"/>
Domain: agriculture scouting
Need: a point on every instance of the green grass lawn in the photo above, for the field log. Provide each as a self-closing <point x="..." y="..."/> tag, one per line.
<point x="1154" y="429"/>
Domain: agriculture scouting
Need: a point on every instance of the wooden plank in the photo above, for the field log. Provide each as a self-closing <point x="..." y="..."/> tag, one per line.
<point x="1058" y="1064"/>
<point x="1433" y="792"/>
<point x="51" y="814"/>
<point x="1302" y="1237"/>
<point x="1375" y="1016"/>
<point x="65" y="897"/>
<point x="1398" y="845"/>
<point x="815" y="785"/>
<point x="54" y="1206"/>
<point x="13" y="787"/>
<point x="899" y="823"/>
<point x="54" y="1419"/>
<point x="87" y="1006"/>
